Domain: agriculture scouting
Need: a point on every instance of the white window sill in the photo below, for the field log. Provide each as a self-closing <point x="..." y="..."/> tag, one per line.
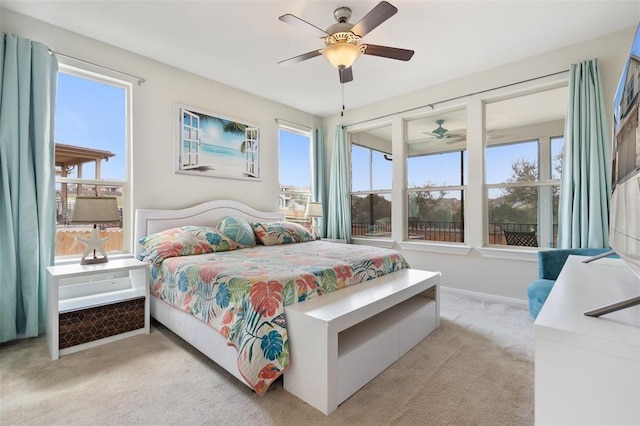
<point x="525" y="255"/>
<point x="457" y="249"/>
<point x="376" y="242"/>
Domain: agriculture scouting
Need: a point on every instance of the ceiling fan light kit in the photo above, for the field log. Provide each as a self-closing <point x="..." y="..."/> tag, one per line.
<point x="343" y="49"/>
<point x="343" y="40"/>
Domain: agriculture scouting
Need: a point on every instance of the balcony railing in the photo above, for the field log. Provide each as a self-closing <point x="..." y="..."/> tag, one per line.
<point x="443" y="231"/>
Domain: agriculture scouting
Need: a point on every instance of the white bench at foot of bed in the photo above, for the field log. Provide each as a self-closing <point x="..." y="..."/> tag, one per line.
<point x="342" y="340"/>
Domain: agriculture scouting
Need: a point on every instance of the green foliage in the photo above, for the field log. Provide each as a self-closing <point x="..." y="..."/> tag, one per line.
<point x="524" y="197"/>
<point x="289" y="293"/>
<point x="233" y="127"/>
<point x="520" y="204"/>
<point x="362" y="208"/>
<point x="239" y="288"/>
<point x="433" y="206"/>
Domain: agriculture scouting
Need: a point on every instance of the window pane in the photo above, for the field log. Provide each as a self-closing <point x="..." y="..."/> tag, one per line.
<point x="437" y="170"/>
<point x="382" y="168"/>
<point x="436" y="216"/>
<point x="91" y="115"/>
<point x="513" y="210"/>
<point x="295" y="175"/>
<point x="557" y="146"/>
<point x="67" y="231"/>
<point x="371" y="215"/>
<point x="360" y="168"/>
<point x="518" y="130"/>
<point x="90" y="144"/>
<point x="517" y="162"/>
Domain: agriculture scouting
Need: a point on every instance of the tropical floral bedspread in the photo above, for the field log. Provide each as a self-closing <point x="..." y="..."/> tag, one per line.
<point x="242" y="293"/>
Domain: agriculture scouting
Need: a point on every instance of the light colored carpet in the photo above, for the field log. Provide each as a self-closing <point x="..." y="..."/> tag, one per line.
<point x="476" y="369"/>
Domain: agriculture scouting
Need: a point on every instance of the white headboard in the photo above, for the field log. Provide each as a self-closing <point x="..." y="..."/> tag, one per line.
<point x="149" y="221"/>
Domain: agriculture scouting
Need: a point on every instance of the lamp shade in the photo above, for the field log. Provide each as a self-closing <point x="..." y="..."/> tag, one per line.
<point x="95" y="210"/>
<point x="313" y="210"/>
<point x="342" y="54"/>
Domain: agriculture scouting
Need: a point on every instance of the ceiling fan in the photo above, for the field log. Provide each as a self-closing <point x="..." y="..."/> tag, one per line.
<point x="343" y="40"/>
<point x="442" y="134"/>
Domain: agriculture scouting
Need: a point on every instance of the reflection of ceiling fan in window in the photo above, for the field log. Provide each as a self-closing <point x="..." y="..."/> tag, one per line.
<point x="448" y="136"/>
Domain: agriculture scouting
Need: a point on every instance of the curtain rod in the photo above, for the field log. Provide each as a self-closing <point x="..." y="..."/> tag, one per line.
<point x="285" y="122"/>
<point x="454" y="98"/>
<point x="140" y="79"/>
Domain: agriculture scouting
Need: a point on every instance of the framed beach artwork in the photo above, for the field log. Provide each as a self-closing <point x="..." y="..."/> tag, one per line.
<point x="208" y="144"/>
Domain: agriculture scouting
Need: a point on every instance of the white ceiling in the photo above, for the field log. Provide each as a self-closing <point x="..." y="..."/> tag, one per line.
<point x="240" y="42"/>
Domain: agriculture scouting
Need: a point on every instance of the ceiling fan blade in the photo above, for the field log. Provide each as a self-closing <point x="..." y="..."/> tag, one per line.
<point x="346" y="74"/>
<point x="455" y="140"/>
<point x="375" y="17"/>
<point x="388" y="52"/>
<point x="303" y="25"/>
<point x="301" y="58"/>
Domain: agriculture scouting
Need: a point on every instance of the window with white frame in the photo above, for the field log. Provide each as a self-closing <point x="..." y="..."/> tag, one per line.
<point x="436" y="177"/>
<point x="295" y="173"/>
<point x="91" y="149"/>
<point x="523" y="166"/>
<point x="371" y="183"/>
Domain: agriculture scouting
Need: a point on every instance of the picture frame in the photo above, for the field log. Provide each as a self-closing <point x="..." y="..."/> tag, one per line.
<point x="212" y="145"/>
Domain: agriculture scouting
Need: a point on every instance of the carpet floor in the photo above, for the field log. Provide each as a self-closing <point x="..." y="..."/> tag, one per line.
<point x="476" y="369"/>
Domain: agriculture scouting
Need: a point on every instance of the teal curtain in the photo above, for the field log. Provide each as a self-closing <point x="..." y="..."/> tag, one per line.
<point x="27" y="183"/>
<point x="339" y="207"/>
<point x="318" y="176"/>
<point x="583" y="213"/>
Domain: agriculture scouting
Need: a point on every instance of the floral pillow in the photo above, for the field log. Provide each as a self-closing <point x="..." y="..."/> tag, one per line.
<point x="237" y="229"/>
<point x="274" y="233"/>
<point x="185" y="241"/>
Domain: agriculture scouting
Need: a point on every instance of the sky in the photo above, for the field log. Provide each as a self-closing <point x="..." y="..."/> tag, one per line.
<point x="443" y="169"/>
<point x="92" y="114"/>
<point x="295" y="165"/>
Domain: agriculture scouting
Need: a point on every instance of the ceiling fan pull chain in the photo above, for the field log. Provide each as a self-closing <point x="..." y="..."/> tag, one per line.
<point x="342" y="112"/>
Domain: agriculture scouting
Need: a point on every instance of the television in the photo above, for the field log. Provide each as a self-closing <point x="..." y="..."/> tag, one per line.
<point x="624" y="219"/>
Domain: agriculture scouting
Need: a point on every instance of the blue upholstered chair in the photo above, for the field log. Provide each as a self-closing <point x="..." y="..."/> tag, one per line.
<point x="550" y="263"/>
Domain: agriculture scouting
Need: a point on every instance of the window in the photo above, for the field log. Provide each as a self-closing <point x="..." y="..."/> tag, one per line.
<point x="630" y="91"/>
<point x="295" y="174"/>
<point x="91" y="139"/>
<point x="371" y="180"/>
<point x="523" y="166"/>
<point x="436" y="177"/>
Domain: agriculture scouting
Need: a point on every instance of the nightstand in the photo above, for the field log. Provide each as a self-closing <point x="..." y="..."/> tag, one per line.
<point x="90" y="305"/>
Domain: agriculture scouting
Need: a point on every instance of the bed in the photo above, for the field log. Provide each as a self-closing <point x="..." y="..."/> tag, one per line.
<point x="370" y="290"/>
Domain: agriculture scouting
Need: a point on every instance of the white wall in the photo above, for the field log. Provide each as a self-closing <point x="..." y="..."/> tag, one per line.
<point x="156" y="186"/>
<point x="503" y="273"/>
<point x="154" y="183"/>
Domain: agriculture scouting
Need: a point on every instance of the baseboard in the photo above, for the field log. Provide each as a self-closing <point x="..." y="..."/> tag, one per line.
<point x="485" y="296"/>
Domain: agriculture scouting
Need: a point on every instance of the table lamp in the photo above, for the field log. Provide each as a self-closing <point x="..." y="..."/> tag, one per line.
<point x="314" y="211"/>
<point x="94" y="210"/>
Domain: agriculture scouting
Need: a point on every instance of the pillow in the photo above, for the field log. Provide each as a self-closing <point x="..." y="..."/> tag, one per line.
<point x="185" y="241"/>
<point x="238" y="230"/>
<point x="274" y="233"/>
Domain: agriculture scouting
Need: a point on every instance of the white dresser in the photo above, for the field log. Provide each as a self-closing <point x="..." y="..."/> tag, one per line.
<point x="587" y="370"/>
